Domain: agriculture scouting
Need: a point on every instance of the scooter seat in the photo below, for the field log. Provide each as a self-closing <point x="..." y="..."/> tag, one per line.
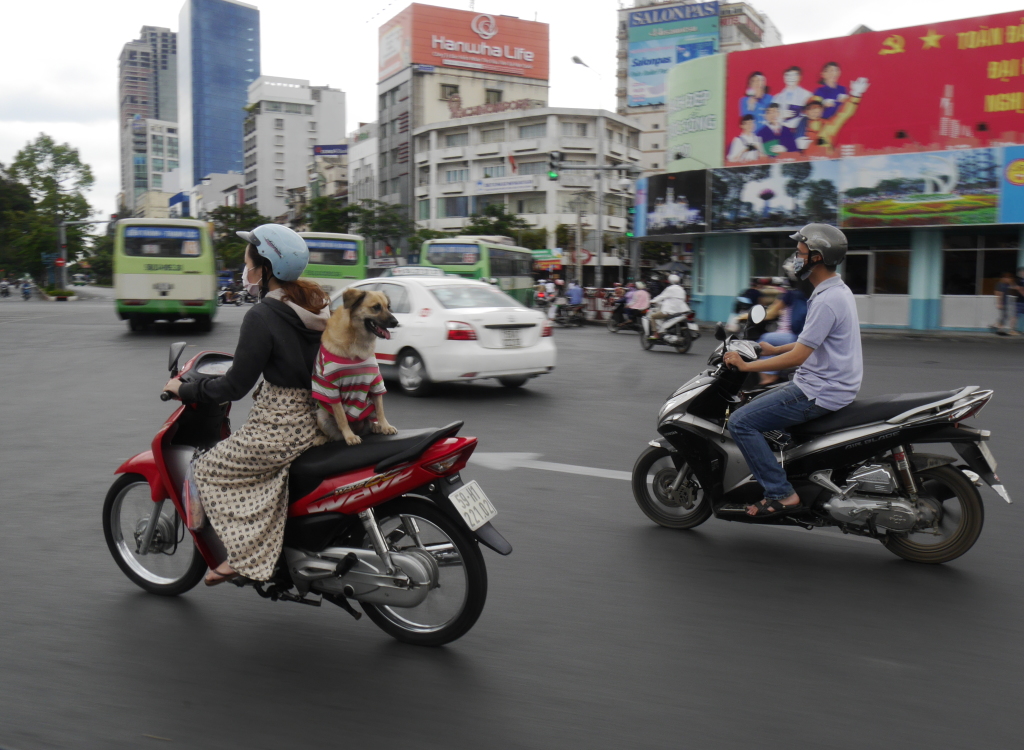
<point x="337" y="457"/>
<point x="866" y="411"/>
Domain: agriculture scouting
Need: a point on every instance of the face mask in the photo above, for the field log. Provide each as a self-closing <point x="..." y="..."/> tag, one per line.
<point x="252" y="287"/>
<point x="793" y="265"/>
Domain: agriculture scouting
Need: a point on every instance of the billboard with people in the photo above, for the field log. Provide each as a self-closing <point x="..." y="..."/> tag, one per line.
<point x="696" y="103"/>
<point x="953" y="85"/>
<point x="662" y="36"/>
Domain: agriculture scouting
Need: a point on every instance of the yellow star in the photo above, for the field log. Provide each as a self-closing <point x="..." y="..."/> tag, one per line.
<point x="932" y="40"/>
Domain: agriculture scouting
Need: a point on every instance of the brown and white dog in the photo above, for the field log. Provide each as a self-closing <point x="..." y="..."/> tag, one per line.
<point x="346" y="380"/>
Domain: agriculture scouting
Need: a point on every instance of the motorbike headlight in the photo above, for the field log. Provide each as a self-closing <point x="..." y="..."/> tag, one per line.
<point x="675" y="402"/>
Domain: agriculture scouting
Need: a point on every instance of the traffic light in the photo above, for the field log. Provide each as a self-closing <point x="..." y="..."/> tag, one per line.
<point x="630" y="221"/>
<point x="554" y="164"/>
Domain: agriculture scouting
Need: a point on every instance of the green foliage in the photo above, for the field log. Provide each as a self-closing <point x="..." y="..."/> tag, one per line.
<point x="325" y="214"/>
<point x="384" y="222"/>
<point x="101" y="259"/>
<point x="495" y="220"/>
<point x="421" y="235"/>
<point x="534" y="239"/>
<point x="227" y="220"/>
<point x="659" y="252"/>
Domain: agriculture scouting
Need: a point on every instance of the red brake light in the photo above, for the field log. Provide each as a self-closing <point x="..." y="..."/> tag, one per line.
<point x="548" y="330"/>
<point x="134" y="302"/>
<point x="460" y="331"/>
<point x="194" y="303"/>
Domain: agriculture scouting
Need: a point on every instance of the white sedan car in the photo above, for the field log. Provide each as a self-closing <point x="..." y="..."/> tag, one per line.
<point x="454" y="329"/>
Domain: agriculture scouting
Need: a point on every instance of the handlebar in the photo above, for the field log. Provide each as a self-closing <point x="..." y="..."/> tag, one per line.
<point x="166" y="395"/>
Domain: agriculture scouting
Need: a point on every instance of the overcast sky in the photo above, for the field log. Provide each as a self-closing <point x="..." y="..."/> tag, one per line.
<point x="59" y="57"/>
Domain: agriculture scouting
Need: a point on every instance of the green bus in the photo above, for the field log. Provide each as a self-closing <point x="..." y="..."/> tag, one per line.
<point x="474" y="258"/>
<point x="335" y="260"/>
<point x="164" y="269"/>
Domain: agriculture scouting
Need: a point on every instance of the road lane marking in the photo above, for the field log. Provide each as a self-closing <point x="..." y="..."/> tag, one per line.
<point x="507" y="461"/>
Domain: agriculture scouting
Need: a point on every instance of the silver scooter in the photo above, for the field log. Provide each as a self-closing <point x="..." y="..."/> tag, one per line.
<point x="679" y="331"/>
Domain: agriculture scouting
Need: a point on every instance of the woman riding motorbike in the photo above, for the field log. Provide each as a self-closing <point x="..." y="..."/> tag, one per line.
<point x="242" y="481"/>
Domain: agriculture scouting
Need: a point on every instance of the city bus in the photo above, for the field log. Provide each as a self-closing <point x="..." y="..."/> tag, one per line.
<point x="335" y="260"/>
<point x="475" y="258"/>
<point x="164" y="269"/>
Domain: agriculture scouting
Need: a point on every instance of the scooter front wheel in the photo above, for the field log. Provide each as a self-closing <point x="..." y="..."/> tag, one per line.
<point x="645" y="340"/>
<point x="654" y="476"/>
<point x="172" y="565"/>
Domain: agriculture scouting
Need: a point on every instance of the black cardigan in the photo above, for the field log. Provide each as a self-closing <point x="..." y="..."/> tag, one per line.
<point x="273" y="342"/>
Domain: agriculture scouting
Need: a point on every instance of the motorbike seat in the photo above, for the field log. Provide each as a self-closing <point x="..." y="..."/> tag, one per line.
<point x="338" y="457"/>
<point x="865" y="411"/>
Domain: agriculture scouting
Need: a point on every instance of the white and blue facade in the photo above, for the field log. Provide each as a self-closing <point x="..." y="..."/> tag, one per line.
<point x="218" y="57"/>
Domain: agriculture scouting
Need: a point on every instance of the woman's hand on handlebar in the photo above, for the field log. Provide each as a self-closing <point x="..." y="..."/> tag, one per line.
<point x="171" y="389"/>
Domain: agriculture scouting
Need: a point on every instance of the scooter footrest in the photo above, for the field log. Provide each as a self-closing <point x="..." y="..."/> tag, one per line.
<point x="733" y="509"/>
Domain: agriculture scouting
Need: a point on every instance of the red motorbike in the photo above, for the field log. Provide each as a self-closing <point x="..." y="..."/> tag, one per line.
<point x="389" y="524"/>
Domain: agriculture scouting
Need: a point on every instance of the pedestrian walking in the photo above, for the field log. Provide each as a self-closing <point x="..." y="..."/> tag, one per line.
<point x="1007" y="295"/>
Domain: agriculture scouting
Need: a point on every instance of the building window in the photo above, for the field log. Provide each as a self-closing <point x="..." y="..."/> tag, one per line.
<point x="279" y="123"/>
<point x="395" y="155"/>
<point x="531" y="204"/>
<point x="424" y="176"/>
<point x="272" y="107"/>
<point x="656" y="126"/>
<point x="654" y="166"/>
<point x="533" y="167"/>
<point x="383" y="130"/>
<point x="608" y="134"/>
<point x="278" y="141"/>
<point x="396" y="126"/>
<point x="279" y="191"/>
<point x="172" y="165"/>
<point x="312" y="126"/>
<point x="448" y="90"/>
<point x="634" y="140"/>
<point x="383" y="159"/>
<point x="492" y="96"/>
<point x="540" y="130"/>
<point x="654" y="145"/>
<point x="456" y="139"/>
<point x="383" y="188"/>
<point x="394" y="95"/>
<point x="495" y="135"/>
<point x="495" y="171"/>
<point x="456" y="175"/>
<point x="279" y="157"/>
<point x="278" y="174"/>
<point x="423" y="212"/>
<point x="157" y="145"/>
<point x="453" y="208"/>
<point x="158" y="165"/>
<point x="423" y="143"/>
<point x="383" y="101"/>
<point x="574" y="129"/>
<point x="158" y="181"/>
<point x="250" y="177"/>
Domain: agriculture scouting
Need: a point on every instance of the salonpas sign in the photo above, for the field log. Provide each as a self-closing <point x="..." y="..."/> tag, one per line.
<point x="696" y="111"/>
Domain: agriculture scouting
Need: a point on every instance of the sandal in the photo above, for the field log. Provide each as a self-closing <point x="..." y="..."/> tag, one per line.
<point x="220" y="577"/>
<point x="771" y="508"/>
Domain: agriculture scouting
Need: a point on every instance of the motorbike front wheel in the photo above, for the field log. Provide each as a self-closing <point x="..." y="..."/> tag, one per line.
<point x="685" y="339"/>
<point x="654" y="473"/>
<point x="172" y="564"/>
<point x="959" y="515"/>
<point x="612" y="325"/>
<point x="451" y="609"/>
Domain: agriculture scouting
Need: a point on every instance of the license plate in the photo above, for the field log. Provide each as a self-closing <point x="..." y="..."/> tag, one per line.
<point x="511" y="337"/>
<point x="989" y="458"/>
<point x="473" y="505"/>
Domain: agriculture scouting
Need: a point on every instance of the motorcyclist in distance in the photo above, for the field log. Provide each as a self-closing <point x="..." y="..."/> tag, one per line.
<point x="827" y="353"/>
<point x="640" y="301"/>
<point x="672" y="301"/>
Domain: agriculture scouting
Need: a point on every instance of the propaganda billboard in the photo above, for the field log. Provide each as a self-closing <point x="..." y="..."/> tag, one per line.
<point x="662" y="36"/>
<point x="695" y="91"/>
<point x="952" y="85"/>
<point x="443" y="37"/>
<point x="774" y="196"/>
<point x="676" y="203"/>
<point x="1011" y="209"/>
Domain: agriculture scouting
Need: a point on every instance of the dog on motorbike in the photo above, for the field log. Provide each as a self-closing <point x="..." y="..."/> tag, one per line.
<point x="346" y="380"/>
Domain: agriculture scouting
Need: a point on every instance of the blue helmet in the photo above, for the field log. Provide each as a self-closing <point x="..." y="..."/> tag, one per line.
<point x="286" y="251"/>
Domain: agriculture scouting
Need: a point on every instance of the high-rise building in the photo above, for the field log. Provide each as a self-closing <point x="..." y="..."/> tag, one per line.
<point x="285" y="119"/>
<point x="219" y="56"/>
<point x="147" y="88"/>
<point x="655" y="35"/>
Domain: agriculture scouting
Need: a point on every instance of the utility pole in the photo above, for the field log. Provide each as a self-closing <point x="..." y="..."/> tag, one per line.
<point x="62" y="240"/>
<point x="579" y="203"/>
<point x="599" y="276"/>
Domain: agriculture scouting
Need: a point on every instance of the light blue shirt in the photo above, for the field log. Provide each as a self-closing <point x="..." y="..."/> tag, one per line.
<point x="831" y="376"/>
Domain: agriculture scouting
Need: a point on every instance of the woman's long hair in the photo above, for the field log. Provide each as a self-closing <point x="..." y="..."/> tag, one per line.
<point x="306" y="294"/>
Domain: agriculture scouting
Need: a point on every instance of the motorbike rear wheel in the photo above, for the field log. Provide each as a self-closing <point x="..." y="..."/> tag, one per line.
<point x="173" y="565"/>
<point x="687" y="339"/>
<point x="653" y="475"/>
<point x="612" y="326"/>
<point x="961" y="516"/>
<point x="450" y="610"/>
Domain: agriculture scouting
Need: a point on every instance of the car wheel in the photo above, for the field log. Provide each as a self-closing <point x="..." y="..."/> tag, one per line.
<point x="412" y="374"/>
<point x="513" y="382"/>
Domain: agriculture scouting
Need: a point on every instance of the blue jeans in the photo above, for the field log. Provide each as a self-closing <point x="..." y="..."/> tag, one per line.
<point x="777" y="409"/>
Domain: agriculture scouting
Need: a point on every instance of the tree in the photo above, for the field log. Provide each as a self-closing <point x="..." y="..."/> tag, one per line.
<point x="325" y="214"/>
<point x="495" y="220"/>
<point x="384" y="222"/>
<point x="797" y="174"/>
<point x="534" y="239"/>
<point x="822" y="198"/>
<point x="227" y="220"/>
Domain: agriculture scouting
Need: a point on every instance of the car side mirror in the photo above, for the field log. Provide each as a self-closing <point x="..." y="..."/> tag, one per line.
<point x="757" y="313"/>
<point x="720" y="332"/>
<point x="173" y="356"/>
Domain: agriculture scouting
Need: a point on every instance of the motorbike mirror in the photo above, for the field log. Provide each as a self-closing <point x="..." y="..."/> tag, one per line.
<point x="720" y="332"/>
<point x="757" y="313"/>
<point x="174" y="355"/>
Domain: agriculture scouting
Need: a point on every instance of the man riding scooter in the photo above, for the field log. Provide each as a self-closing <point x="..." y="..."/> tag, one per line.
<point x="671" y="302"/>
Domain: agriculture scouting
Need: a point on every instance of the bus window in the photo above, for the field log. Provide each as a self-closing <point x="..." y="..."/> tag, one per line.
<point x="454" y="254"/>
<point x="333" y="252"/>
<point x="162" y="242"/>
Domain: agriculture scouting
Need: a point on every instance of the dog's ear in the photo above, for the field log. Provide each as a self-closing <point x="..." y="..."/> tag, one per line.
<point x="352" y="298"/>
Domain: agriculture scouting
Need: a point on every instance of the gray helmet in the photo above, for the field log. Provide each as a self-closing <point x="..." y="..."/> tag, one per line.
<point x="824" y="239"/>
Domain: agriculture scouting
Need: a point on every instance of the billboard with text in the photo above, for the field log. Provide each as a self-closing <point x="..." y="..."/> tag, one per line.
<point x="696" y="101"/>
<point x="952" y="85"/>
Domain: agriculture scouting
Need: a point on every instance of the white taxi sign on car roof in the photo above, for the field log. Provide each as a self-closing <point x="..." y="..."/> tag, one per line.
<point x="413" y="271"/>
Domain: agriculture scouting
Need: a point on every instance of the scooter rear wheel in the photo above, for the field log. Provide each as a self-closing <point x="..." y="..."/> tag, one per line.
<point x="685" y="337"/>
<point x="653" y="476"/>
<point x="172" y="565"/>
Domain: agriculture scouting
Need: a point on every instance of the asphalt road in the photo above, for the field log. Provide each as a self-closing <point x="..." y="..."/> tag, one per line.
<point x="601" y="630"/>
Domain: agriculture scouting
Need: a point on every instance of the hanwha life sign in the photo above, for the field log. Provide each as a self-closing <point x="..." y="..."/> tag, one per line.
<point x="427" y="35"/>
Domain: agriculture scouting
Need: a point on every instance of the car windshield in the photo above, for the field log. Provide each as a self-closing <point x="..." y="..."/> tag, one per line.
<point x="459" y="296"/>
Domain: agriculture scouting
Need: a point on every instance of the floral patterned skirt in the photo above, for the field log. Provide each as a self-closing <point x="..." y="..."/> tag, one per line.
<point x="243" y="480"/>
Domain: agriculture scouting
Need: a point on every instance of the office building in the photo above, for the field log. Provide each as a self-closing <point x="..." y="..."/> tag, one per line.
<point x="437" y="64"/>
<point x="219" y="56"/>
<point x="362" y="163"/>
<point x="147" y="90"/>
<point x="285" y="118"/>
<point x="655" y="35"/>
<point x="463" y="165"/>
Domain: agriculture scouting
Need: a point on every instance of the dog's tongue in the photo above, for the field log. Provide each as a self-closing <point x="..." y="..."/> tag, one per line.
<point x="386" y="332"/>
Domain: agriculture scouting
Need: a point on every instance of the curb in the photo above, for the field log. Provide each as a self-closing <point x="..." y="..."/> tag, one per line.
<point x="48" y="298"/>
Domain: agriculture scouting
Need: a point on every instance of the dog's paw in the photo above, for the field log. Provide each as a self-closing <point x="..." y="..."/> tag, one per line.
<point x="388" y="430"/>
<point x="353" y="440"/>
